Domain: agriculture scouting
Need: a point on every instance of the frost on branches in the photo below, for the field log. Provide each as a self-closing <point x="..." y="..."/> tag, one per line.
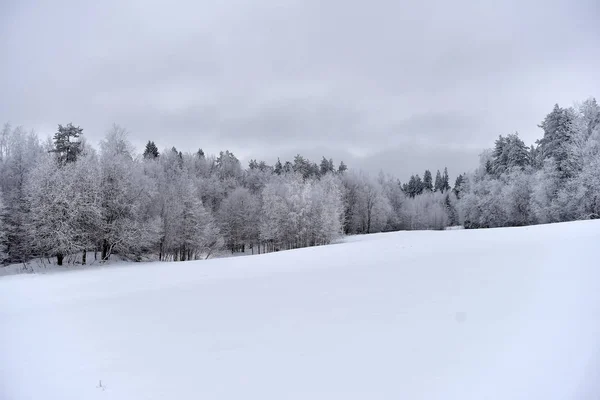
<point x="65" y="200"/>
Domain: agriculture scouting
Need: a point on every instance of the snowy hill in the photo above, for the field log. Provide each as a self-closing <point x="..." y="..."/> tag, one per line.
<point x="487" y="314"/>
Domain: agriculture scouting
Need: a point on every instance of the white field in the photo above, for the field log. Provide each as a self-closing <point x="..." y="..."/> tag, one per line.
<point x="487" y="314"/>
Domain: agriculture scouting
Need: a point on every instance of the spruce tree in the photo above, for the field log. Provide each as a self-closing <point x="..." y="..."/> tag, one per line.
<point x="458" y="186"/>
<point x="278" y="167"/>
<point x="66" y="145"/>
<point x="558" y="135"/>
<point x="437" y="187"/>
<point x="445" y="181"/>
<point x="151" y="151"/>
<point x="428" y="181"/>
<point x="326" y="166"/>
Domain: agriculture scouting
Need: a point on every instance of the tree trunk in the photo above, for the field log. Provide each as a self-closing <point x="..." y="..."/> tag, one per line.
<point x="84" y="257"/>
<point x="59" y="259"/>
<point x="104" y="255"/>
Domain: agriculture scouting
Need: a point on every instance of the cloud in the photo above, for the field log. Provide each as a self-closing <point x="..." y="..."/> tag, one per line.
<point x="395" y="83"/>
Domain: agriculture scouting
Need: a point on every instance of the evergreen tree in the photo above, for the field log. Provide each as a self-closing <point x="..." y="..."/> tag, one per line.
<point x="558" y="135"/>
<point x="342" y="168"/>
<point x="262" y="166"/>
<point x="326" y="166"/>
<point x="151" y="151"/>
<point x="509" y="152"/>
<point x="428" y="181"/>
<point x="200" y="154"/>
<point x="415" y="186"/>
<point x="304" y="167"/>
<point x="66" y="143"/>
<point x="458" y="186"/>
<point x="287" y="167"/>
<point x="590" y="115"/>
<point x="228" y="166"/>
<point x="278" y="167"/>
<point x="437" y="187"/>
<point x="445" y="181"/>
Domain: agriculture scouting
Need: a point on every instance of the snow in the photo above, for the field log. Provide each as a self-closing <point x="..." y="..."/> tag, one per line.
<point x="462" y="314"/>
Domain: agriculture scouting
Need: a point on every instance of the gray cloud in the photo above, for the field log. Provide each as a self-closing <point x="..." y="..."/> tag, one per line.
<point x="382" y="84"/>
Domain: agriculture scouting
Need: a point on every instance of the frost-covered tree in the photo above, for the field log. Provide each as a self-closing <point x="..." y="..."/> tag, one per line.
<point x="428" y="181"/>
<point x="228" y="166"/>
<point x="197" y="234"/>
<point x="239" y="218"/>
<point x="21" y="154"/>
<point x="427" y="211"/>
<point x="509" y="152"/>
<point x="298" y="212"/>
<point x="4" y="138"/>
<point x="326" y="166"/>
<point x="415" y="186"/>
<point x="396" y="197"/>
<point x="558" y="129"/>
<point x="516" y="196"/>
<point x="278" y="169"/>
<point x="125" y="192"/>
<point x="87" y="218"/>
<point x="52" y="216"/>
<point x="3" y="238"/>
<point x="445" y="181"/>
<point x="151" y="151"/>
<point x="373" y="206"/>
<point x="67" y="144"/>
<point x="438" y="184"/>
<point x="256" y="179"/>
<point x="458" y="186"/>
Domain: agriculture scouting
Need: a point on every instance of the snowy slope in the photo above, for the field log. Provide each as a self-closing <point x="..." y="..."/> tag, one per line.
<point x="488" y="314"/>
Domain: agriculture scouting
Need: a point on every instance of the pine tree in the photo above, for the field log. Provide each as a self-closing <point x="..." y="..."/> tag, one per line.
<point x="415" y="186"/>
<point x="342" y="168"/>
<point x="326" y="166"/>
<point x="518" y="154"/>
<point x="278" y="167"/>
<point x="66" y="145"/>
<point x="445" y="181"/>
<point x="200" y="154"/>
<point x="437" y="187"/>
<point x="590" y="114"/>
<point x="509" y="152"/>
<point x="428" y="181"/>
<point x="458" y="186"/>
<point x="558" y="134"/>
<point x="151" y="151"/>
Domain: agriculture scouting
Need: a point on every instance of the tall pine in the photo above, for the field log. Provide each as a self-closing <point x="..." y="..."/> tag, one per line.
<point x="428" y="181"/>
<point x="437" y="187"/>
<point x="151" y="151"/>
<point x="66" y="144"/>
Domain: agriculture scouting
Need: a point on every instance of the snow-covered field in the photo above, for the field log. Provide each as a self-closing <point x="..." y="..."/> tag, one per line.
<point x="488" y="314"/>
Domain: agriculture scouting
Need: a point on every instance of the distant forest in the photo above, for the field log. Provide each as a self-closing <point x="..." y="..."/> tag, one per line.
<point x="63" y="198"/>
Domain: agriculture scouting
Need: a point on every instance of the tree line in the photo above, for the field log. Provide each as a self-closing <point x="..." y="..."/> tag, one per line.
<point x="64" y="198"/>
<point x="556" y="179"/>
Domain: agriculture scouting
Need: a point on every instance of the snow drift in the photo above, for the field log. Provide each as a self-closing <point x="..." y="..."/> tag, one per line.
<point x="496" y="314"/>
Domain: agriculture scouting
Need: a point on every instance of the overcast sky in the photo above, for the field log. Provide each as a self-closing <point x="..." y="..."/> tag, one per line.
<point x="383" y="84"/>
